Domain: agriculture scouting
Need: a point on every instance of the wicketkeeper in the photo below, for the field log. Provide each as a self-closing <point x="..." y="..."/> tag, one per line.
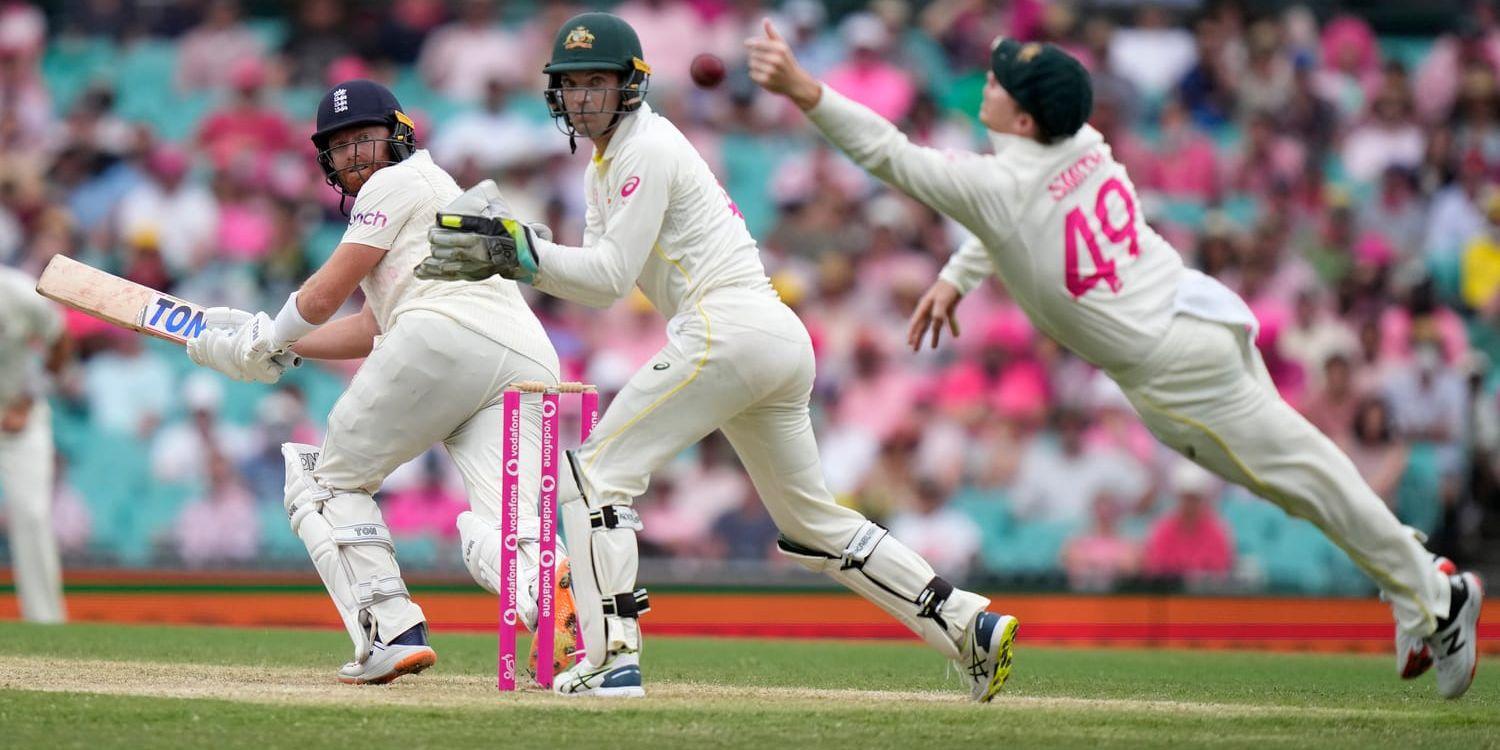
<point x="737" y="360"/>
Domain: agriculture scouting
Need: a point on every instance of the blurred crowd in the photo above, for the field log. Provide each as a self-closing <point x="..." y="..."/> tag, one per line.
<point x="1343" y="181"/>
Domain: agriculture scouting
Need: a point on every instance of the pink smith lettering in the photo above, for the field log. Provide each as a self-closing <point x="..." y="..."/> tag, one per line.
<point x="1069" y="179"/>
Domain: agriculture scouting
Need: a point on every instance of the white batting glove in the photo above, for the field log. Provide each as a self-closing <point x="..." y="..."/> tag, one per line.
<point x="239" y="344"/>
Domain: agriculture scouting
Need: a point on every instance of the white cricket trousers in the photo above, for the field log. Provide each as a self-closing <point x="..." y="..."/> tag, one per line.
<point x="430" y="380"/>
<point x="1205" y="392"/>
<point x="26" y="485"/>
<point x="739" y="361"/>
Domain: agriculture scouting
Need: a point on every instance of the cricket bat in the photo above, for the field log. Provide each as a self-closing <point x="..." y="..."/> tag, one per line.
<point x="120" y="301"/>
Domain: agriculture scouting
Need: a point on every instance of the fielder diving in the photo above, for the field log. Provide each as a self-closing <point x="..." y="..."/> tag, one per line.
<point x="437" y="359"/>
<point x="1055" y="217"/>
<point x="737" y="360"/>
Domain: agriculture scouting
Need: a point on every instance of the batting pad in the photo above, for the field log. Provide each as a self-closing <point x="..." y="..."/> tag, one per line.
<point x="352" y="550"/>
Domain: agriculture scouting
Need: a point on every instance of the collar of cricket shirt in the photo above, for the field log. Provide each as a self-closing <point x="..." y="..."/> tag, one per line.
<point x="1021" y="145"/>
<point x="623" y="131"/>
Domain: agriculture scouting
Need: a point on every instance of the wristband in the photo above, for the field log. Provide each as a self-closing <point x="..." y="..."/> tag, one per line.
<point x="289" y="325"/>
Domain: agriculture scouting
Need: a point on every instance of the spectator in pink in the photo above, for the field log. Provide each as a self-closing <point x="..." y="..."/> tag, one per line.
<point x="671" y="33"/>
<point x="1423" y="318"/>
<point x="247" y="222"/>
<point x="878" y="397"/>
<point x="1351" y="64"/>
<point x="427" y="509"/>
<point x="23" y="93"/>
<point x="460" y="58"/>
<point x="247" y="130"/>
<point x="221" y="527"/>
<point x="1186" y="164"/>
<point x="1331" y="407"/>
<point x="1376" y="450"/>
<point x="1270" y="160"/>
<point x="866" y="77"/>
<point x="210" y="52"/>
<point x="1313" y="334"/>
<point x="1191" y="541"/>
<point x="1099" y="557"/>
<point x="1439" y="78"/>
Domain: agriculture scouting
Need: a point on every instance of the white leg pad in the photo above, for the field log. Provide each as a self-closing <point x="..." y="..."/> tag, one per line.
<point x="883" y="570"/>
<point x="604" y="571"/>
<point x="481" y="551"/>
<point x="352" y="550"/>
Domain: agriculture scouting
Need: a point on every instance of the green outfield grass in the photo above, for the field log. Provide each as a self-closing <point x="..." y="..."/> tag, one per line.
<point x="93" y="686"/>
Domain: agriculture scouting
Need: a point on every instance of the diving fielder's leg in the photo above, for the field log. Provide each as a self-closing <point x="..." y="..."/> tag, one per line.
<point x="1205" y="393"/>
<point x="26" y="484"/>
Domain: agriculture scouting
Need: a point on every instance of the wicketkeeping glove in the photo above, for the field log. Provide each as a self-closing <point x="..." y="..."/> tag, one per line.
<point x="474" y="248"/>
<point x="477" y="236"/>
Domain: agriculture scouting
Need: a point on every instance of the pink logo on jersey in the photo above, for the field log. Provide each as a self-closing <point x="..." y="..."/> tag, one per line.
<point x="629" y="187"/>
<point x="1069" y="179"/>
<point x="368" y="218"/>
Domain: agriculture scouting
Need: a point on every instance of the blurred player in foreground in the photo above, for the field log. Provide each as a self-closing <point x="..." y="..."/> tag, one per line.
<point x="438" y="357"/>
<point x="737" y="359"/>
<point x="26" y="462"/>
<point x="1057" y="220"/>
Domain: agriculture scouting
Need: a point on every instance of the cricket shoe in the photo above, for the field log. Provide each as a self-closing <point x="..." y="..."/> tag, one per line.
<point x="1413" y="657"/>
<point x="1455" y="644"/>
<point x="986" y="653"/>
<point x="564" y="624"/>
<point x="619" y="677"/>
<point x="407" y="653"/>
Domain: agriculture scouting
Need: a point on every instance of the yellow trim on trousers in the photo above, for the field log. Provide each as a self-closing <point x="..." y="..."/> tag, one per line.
<point x="1265" y="491"/>
<point x="708" y="338"/>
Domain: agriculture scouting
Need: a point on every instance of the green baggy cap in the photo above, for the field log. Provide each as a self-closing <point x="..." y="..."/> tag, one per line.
<point x="1048" y="84"/>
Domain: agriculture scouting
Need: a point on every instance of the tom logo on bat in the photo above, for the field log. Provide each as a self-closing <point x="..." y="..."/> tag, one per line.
<point x="173" y="317"/>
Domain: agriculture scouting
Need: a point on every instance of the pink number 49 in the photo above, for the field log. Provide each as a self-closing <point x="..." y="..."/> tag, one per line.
<point x="1076" y="225"/>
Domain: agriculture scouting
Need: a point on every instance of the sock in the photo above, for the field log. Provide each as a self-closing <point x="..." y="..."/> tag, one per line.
<point x="415" y="635"/>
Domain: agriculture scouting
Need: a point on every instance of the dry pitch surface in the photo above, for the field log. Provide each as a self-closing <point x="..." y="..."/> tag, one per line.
<point x="110" y="686"/>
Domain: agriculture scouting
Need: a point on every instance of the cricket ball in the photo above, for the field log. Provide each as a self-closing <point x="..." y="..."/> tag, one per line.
<point x="707" y="70"/>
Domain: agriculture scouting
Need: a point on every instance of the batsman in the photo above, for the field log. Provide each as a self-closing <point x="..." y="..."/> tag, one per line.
<point x="737" y="359"/>
<point x="1056" y="218"/>
<point x="436" y="359"/>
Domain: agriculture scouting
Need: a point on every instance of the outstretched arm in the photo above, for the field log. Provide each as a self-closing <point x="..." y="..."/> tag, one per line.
<point x="605" y="269"/>
<point x="944" y="180"/>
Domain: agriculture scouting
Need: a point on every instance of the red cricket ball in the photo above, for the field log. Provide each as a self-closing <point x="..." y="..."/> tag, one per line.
<point x="707" y="70"/>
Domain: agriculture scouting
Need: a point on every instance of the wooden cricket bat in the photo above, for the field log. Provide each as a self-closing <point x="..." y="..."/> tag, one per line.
<point x="120" y="301"/>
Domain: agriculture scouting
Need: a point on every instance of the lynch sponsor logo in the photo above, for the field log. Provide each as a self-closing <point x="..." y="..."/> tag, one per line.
<point x="369" y="218"/>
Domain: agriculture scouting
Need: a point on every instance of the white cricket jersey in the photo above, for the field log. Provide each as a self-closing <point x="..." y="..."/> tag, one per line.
<point x="393" y="211"/>
<point x="1060" y="224"/>
<point x="658" y="219"/>
<point x="26" y="320"/>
